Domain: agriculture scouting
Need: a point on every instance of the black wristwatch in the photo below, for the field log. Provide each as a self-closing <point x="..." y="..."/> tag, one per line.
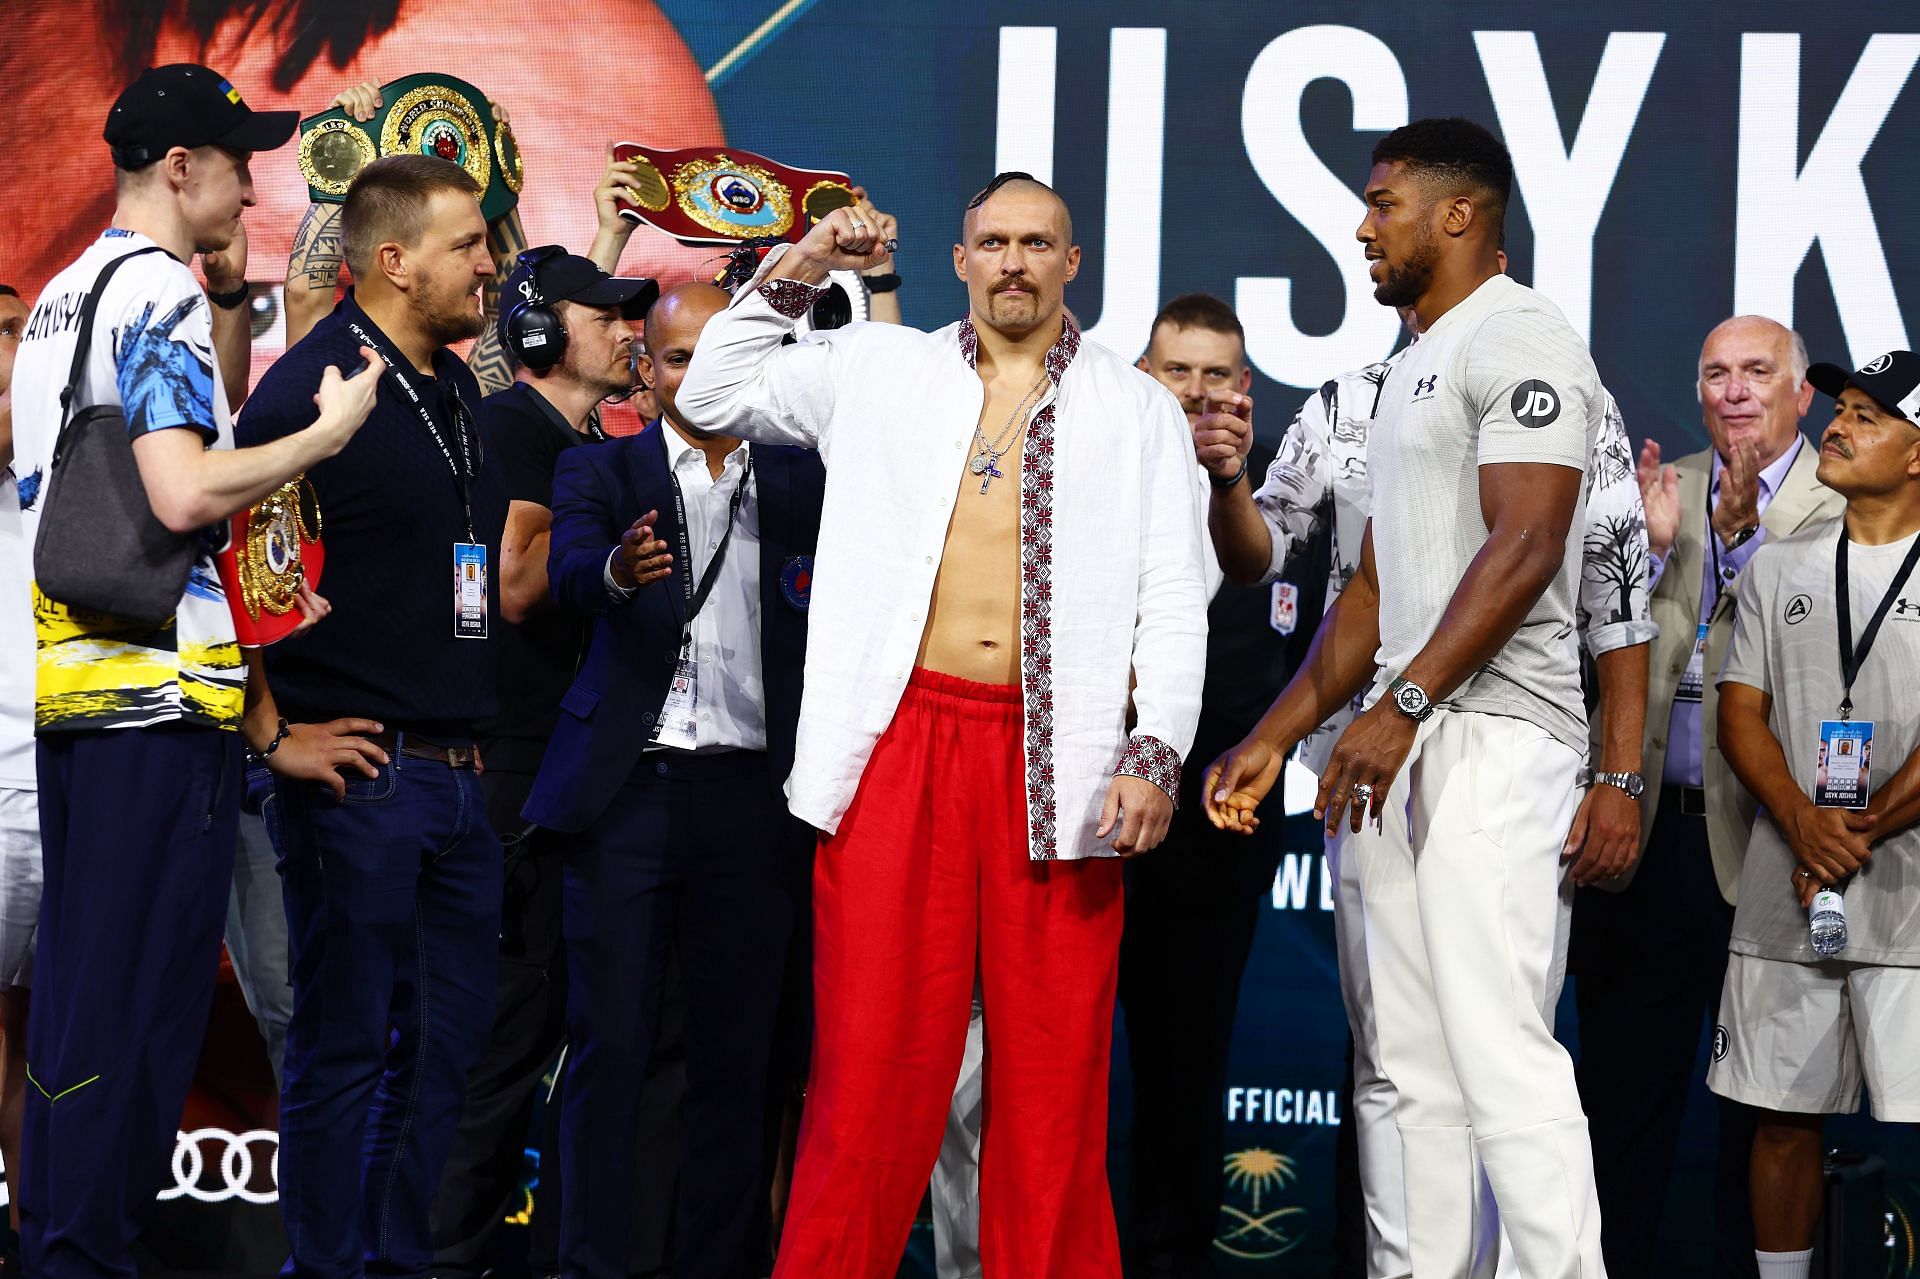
<point x="1410" y="699"/>
<point x="231" y="301"/>
<point x="1632" y="783"/>
<point x="1742" y="537"/>
<point x="888" y="283"/>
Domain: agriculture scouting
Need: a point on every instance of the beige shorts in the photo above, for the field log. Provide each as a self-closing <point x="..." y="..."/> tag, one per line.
<point x="1802" y="1038"/>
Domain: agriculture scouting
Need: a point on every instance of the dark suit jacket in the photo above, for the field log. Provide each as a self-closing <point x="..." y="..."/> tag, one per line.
<point x="607" y="716"/>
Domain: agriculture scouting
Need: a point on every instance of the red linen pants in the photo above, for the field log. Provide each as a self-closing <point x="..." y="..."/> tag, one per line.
<point x="927" y="877"/>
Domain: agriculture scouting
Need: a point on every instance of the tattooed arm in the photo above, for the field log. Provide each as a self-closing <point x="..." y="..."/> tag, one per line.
<point x="488" y="359"/>
<point x="313" y="270"/>
<point x="313" y="264"/>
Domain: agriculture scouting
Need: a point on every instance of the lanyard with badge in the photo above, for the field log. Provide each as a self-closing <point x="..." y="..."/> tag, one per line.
<point x="470" y="556"/>
<point x="677" y="726"/>
<point x="1693" y="680"/>
<point x="1842" y="772"/>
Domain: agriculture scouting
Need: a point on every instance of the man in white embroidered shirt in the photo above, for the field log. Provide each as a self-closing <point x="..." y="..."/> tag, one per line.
<point x="1011" y="529"/>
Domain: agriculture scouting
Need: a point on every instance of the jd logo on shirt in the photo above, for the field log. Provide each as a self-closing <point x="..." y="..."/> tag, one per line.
<point x="1798" y="607"/>
<point x="1424" y="387"/>
<point x="1534" y="403"/>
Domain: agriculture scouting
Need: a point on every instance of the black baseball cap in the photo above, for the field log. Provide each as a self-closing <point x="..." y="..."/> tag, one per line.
<point x="187" y="105"/>
<point x="1891" y="380"/>
<point x="551" y="274"/>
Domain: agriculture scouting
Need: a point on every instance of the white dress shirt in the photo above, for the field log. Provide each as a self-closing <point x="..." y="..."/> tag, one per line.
<point x="730" y="692"/>
<point x="1112" y="577"/>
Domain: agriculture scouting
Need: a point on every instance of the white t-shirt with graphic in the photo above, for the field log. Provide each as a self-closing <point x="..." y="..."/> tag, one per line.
<point x="152" y="355"/>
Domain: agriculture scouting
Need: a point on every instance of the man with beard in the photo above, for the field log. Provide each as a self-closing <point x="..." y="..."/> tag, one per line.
<point x="1010" y="545"/>
<point x="1463" y="770"/>
<point x="568" y="327"/>
<point x="391" y="870"/>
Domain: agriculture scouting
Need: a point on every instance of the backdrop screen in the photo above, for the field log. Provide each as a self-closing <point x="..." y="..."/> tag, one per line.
<point x="1676" y="163"/>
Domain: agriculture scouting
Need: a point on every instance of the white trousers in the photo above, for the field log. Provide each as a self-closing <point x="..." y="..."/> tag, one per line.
<point x="1452" y="921"/>
<point x="956" y="1177"/>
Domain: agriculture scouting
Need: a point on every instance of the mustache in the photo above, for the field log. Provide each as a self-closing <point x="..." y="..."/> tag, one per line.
<point x="1839" y="442"/>
<point x="1013" y="282"/>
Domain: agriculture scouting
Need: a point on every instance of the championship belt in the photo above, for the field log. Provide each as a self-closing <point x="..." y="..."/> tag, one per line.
<point x="722" y="195"/>
<point x="430" y="114"/>
<point x="273" y="549"/>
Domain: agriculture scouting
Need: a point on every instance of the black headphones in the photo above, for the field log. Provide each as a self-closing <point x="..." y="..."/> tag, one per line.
<point x="530" y="328"/>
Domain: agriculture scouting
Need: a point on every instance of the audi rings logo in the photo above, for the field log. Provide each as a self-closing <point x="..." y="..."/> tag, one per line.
<point x="213" y="1166"/>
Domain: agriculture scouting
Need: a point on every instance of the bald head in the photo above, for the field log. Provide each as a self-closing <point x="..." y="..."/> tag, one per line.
<point x="674" y="323"/>
<point x="1753" y="389"/>
<point x="679" y="307"/>
<point x="1017" y="185"/>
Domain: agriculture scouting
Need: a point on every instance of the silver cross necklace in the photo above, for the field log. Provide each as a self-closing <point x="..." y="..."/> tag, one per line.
<point x="986" y="454"/>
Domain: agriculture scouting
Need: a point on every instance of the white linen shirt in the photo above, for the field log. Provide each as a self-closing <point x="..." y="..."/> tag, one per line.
<point x="1112" y="576"/>
<point x="730" y="714"/>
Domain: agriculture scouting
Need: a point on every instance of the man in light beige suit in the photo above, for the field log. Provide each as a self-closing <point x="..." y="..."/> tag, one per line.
<point x="1649" y="950"/>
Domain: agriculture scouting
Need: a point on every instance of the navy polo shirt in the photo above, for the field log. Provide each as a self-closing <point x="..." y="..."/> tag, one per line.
<point x="391" y="512"/>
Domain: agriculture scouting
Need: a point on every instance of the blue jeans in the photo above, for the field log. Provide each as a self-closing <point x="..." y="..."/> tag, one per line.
<point x="137" y="839"/>
<point x="393" y="912"/>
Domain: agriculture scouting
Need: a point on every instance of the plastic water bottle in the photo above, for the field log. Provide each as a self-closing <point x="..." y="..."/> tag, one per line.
<point x="1827" y="923"/>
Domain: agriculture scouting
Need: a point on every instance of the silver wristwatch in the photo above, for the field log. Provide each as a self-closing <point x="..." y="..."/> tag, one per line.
<point x="1410" y="699"/>
<point x="1632" y="783"/>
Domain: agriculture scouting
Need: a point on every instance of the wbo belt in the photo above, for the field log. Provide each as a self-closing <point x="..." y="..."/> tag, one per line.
<point x="1688" y="801"/>
<point x="413" y="746"/>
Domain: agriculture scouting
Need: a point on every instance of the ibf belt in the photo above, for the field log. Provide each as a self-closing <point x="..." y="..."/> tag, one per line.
<point x="429" y="114"/>
<point x="273" y="549"/>
<point x="709" y="195"/>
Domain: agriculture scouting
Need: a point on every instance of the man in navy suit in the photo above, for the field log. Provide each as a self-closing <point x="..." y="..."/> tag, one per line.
<point x="694" y="554"/>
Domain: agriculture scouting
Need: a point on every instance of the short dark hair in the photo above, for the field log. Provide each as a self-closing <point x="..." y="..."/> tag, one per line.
<point x="8" y="291"/>
<point x="388" y="201"/>
<point x="1456" y="151"/>
<point x="1199" y="311"/>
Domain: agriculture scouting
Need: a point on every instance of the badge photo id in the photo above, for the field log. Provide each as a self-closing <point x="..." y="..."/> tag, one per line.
<point x="469" y="590"/>
<point x="676" y="726"/>
<point x="1842" y="775"/>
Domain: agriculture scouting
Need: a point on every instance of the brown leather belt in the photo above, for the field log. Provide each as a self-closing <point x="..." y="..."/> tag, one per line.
<point x="456" y="755"/>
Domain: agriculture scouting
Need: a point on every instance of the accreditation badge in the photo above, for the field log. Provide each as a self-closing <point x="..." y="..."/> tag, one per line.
<point x="677" y="726"/>
<point x="1842" y="773"/>
<point x="273" y="549"/>
<point x="1283" y="612"/>
<point x="1693" y="680"/>
<point x="469" y="590"/>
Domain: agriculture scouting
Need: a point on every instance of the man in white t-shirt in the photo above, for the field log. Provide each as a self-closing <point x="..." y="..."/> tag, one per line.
<point x="138" y="753"/>
<point x="1318" y="480"/>
<point x="1464" y="769"/>
<point x="1819" y="721"/>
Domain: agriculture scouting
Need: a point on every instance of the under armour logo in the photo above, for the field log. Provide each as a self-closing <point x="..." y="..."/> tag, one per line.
<point x="1901" y="607"/>
<point x="1425" y="385"/>
<point x="1798" y="608"/>
<point x="1534" y="403"/>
